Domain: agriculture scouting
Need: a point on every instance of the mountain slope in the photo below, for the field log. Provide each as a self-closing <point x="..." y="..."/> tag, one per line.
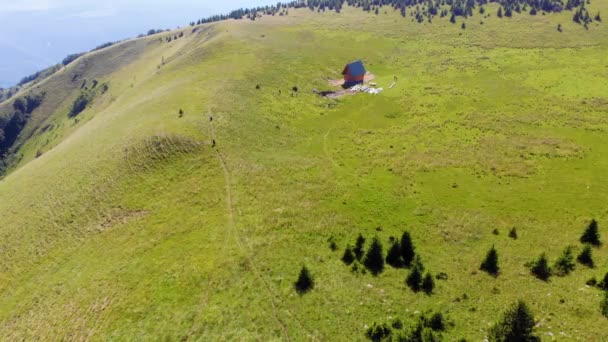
<point x="131" y="226"/>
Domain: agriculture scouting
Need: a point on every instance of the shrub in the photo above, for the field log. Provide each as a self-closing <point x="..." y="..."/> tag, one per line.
<point x="540" y="268"/>
<point x="374" y="259"/>
<point x="348" y="257"/>
<point x="359" y="247"/>
<point x="397" y="324"/>
<point x="394" y="257"/>
<point x="428" y="284"/>
<point x="408" y="252"/>
<point x="495" y="232"/>
<point x="513" y="233"/>
<point x="516" y="324"/>
<point x="586" y="258"/>
<point x="565" y="263"/>
<point x="490" y="263"/>
<point x="591" y="281"/>
<point x="305" y="281"/>
<point x="378" y="332"/>
<point x="591" y="234"/>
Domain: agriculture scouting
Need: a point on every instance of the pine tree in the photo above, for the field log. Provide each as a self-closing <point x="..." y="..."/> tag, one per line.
<point x="598" y="17"/>
<point x="407" y="249"/>
<point x="463" y="26"/>
<point x="565" y="263"/>
<point x="490" y="263"/>
<point x="394" y="257"/>
<point x="540" y="268"/>
<point x="414" y="278"/>
<point x="604" y="283"/>
<point x="604" y="305"/>
<point x="513" y="233"/>
<point x="533" y="11"/>
<point x="516" y="324"/>
<point x="482" y="10"/>
<point x="591" y="234"/>
<point x="586" y="257"/>
<point x="359" y="247"/>
<point x="499" y="14"/>
<point x="305" y="281"/>
<point x="453" y="19"/>
<point x="348" y="256"/>
<point x="374" y="259"/>
<point x="428" y="284"/>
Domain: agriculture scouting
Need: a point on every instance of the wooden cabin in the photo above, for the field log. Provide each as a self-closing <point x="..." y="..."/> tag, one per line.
<point x="354" y="73"/>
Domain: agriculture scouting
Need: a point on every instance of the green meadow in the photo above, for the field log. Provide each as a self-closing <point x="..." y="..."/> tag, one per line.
<point x="124" y="223"/>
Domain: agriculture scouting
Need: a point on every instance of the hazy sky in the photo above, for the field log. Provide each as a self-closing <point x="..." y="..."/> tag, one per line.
<point x="35" y="34"/>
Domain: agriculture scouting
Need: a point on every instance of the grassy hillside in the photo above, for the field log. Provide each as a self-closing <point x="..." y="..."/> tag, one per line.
<point x="130" y="226"/>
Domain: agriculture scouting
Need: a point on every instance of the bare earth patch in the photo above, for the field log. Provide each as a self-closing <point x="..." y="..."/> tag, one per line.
<point x="339" y="82"/>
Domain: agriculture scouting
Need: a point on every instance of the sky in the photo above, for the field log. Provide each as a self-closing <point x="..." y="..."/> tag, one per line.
<point x="35" y="34"/>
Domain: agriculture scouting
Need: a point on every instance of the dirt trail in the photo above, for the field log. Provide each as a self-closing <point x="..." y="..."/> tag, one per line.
<point x="239" y="238"/>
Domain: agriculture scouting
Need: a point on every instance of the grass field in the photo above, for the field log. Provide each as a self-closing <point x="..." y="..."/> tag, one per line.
<point x="131" y="227"/>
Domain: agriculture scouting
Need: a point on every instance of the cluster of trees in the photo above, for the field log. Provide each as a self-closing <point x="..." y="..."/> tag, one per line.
<point x="564" y="264"/>
<point x="174" y="37"/>
<point x="515" y="324"/>
<point x="86" y="96"/>
<point x="40" y="75"/>
<point x="280" y="8"/>
<point x="401" y="254"/>
<point x="11" y="126"/>
<point x="426" y="328"/>
<point x="581" y="15"/>
<point x="422" y="10"/>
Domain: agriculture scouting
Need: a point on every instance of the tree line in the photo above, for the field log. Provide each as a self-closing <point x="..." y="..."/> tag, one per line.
<point x="422" y="10"/>
<point x="11" y="126"/>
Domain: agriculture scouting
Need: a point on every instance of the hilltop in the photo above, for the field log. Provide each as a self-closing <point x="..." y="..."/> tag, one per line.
<point x="127" y="213"/>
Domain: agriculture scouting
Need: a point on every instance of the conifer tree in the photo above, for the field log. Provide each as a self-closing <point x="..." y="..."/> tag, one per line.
<point x="490" y="263"/>
<point x="540" y="268"/>
<point x="516" y="324"/>
<point x="499" y="14"/>
<point x="305" y="281"/>
<point x="591" y="234"/>
<point x="359" y="247"/>
<point x="374" y="259"/>
<point x="428" y="284"/>
<point x="598" y="17"/>
<point x="513" y="233"/>
<point x="348" y="256"/>
<point x="408" y="252"/>
<point x="565" y="263"/>
<point x="414" y="278"/>
<point x="463" y="26"/>
<point x="604" y="305"/>
<point x="393" y="256"/>
<point x="586" y="257"/>
<point x="604" y="283"/>
<point x="453" y="19"/>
